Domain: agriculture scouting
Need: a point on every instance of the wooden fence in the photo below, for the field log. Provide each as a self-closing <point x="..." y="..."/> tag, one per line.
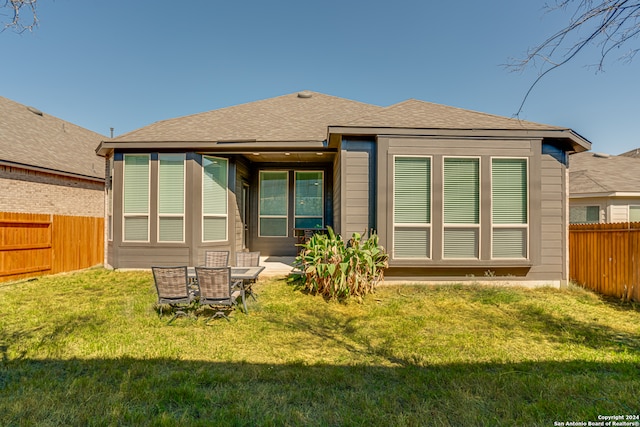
<point x="606" y="258"/>
<point x="37" y="244"/>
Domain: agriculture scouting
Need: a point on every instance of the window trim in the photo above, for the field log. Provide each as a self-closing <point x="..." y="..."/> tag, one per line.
<point x="125" y="214"/>
<point x="428" y="226"/>
<point x="286" y="215"/>
<point x="295" y="193"/>
<point x="526" y="226"/>
<point x="452" y="226"/>
<point x="204" y="215"/>
<point x="184" y="189"/>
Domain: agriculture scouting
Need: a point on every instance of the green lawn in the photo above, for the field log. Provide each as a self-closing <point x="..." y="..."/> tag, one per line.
<point x="89" y="349"/>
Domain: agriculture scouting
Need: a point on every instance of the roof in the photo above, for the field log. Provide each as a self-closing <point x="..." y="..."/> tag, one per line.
<point x="632" y="153"/>
<point x="417" y="114"/>
<point x="309" y="116"/>
<point x="302" y="116"/>
<point x="595" y="173"/>
<point x="33" y="139"/>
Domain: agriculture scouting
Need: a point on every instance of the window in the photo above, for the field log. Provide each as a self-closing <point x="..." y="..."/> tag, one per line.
<point x="309" y="208"/>
<point x="214" y="199"/>
<point x="274" y="202"/>
<point x="461" y="208"/>
<point x="412" y="207"/>
<point x="634" y="213"/>
<point x="584" y="214"/>
<point x="136" y="197"/>
<point x="171" y="197"/>
<point x="509" y="197"/>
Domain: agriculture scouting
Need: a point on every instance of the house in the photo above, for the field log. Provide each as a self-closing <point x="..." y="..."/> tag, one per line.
<point x="48" y="165"/>
<point x="51" y="194"/>
<point x="604" y="188"/>
<point x="453" y="194"/>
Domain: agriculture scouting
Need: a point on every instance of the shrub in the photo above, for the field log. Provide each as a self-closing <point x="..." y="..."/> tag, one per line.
<point x="335" y="269"/>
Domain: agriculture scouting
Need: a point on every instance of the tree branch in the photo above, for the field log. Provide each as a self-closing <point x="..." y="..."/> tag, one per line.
<point x="16" y="20"/>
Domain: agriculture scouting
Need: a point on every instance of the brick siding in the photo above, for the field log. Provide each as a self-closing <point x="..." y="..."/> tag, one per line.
<point x="29" y="191"/>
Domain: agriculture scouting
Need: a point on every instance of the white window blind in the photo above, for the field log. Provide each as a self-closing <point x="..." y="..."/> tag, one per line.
<point x="509" y="198"/>
<point x="412" y="207"/>
<point x="461" y="207"/>
<point x="171" y="197"/>
<point x="214" y="198"/>
<point x="136" y="197"/>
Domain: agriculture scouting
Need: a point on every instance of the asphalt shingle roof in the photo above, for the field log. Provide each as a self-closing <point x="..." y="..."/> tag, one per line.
<point x="30" y="137"/>
<point x="595" y="173"/>
<point x="284" y="118"/>
<point x="294" y="118"/>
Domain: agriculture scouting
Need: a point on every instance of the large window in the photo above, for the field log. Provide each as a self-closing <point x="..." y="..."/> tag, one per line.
<point x="584" y="214"/>
<point x="461" y="208"/>
<point x="634" y="213"/>
<point x="171" y="197"/>
<point x="412" y="207"/>
<point x="309" y="206"/>
<point x="214" y="199"/>
<point x="509" y="197"/>
<point x="274" y="202"/>
<point x="136" y="198"/>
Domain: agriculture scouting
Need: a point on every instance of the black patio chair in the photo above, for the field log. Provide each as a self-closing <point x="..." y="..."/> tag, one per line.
<point x="218" y="291"/>
<point x="172" y="284"/>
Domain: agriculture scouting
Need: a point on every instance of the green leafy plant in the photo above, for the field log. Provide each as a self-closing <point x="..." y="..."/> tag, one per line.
<point x="331" y="267"/>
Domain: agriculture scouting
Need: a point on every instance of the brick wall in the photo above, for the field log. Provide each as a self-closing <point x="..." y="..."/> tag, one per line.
<point x="23" y="190"/>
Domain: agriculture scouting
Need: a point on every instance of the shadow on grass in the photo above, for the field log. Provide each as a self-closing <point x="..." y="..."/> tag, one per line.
<point x="173" y="392"/>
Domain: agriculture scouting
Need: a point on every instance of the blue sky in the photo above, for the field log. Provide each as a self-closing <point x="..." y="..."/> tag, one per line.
<point x="126" y="64"/>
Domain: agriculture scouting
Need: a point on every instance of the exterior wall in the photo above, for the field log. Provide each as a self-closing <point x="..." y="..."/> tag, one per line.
<point x="357" y="187"/>
<point x="612" y="209"/>
<point x="551" y="249"/>
<point x="337" y="193"/>
<point x="29" y="191"/>
<point x="154" y="253"/>
<point x="547" y="214"/>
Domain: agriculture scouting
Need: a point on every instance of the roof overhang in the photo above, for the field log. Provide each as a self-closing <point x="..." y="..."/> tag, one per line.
<point x="50" y="171"/>
<point x="576" y="142"/>
<point x="606" y="194"/>
<point x="228" y="147"/>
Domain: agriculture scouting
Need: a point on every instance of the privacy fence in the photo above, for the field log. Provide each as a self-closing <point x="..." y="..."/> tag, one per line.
<point x="37" y="244"/>
<point x="606" y="258"/>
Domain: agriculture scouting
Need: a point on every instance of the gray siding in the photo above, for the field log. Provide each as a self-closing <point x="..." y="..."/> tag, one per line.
<point x="358" y="187"/>
<point x="547" y="214"/>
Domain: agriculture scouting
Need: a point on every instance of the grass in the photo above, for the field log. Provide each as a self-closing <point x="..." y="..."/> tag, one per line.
<point x="89" y="349"/>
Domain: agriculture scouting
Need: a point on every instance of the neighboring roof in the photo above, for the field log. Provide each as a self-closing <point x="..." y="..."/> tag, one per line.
<point x="308" y="116"/>
<point x="33" y="139"/>
<point x="603" y="174"/>
<point x="632" y="153"/>
<point x="302" y="116"/>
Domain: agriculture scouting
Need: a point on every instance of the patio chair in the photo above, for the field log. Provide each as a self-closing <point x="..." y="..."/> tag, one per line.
<point x="218" y="290"/>
<point x="248" y="259"/>
<point x="172" y="284"/>
<point x="216" y="258"/>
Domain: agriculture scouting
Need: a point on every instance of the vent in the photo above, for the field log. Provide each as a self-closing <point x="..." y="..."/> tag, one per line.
<point x="305" y="94"/>
<point x="602" y="155"/>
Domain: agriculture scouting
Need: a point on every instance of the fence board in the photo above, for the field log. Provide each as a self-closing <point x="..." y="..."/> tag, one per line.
<point x="36" y="244"/>
<point x="604" y="258"/>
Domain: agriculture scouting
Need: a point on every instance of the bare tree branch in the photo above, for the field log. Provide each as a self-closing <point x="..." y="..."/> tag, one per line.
<point x="607" y="24"/>
<point x="16" y="20"/>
